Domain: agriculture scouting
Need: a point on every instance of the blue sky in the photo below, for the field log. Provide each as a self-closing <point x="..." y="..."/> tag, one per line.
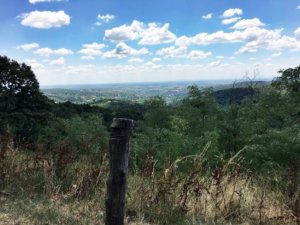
<point x="98" y="41"/>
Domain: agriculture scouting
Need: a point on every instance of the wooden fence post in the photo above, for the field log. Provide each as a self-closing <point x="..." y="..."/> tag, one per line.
<point x="121" y="130"/>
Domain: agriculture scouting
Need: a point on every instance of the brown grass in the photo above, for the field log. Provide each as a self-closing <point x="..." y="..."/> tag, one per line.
<point x="37" y="193"/>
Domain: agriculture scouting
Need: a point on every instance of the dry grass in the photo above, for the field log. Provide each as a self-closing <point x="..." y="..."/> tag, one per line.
<point x="36" y="193"/>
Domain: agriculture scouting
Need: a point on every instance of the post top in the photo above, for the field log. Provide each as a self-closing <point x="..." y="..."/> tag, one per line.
<point x="122" y="123"/>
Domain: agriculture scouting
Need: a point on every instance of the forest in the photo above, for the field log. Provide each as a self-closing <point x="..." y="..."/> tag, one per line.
<point x="212" y="157"/>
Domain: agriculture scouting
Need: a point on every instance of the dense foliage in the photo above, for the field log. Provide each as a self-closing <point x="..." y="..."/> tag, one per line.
<point x="261" y="125"/>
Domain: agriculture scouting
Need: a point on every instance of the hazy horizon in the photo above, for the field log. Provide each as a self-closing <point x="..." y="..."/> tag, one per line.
<point x="149" y="84"/>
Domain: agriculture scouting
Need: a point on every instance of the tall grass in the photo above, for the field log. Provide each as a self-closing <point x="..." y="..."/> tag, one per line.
<point x="63" y="188"/>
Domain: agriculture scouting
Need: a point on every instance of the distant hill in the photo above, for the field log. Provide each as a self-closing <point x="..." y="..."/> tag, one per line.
<point x="242" y="84"/>
<point x="236" y="92"/>
<point x="233" y="95"/>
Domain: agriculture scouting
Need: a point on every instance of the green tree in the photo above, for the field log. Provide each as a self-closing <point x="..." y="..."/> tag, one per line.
<point x="289" y="80"/>
<point x="201" y="109"/>
<point x="21" y="102"/>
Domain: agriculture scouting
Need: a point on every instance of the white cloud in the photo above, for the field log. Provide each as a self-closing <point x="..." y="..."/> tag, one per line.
<point x="91" y="50"/>
<point x="246" y="49"/>
<point x="36" y="66"/>
<point x="156" y="59"/>
<point x="277" y="54"/>
<point x="38" y="1"/>
<point x="215" y="63"/>
<point x="105" y="18"/>
<point x="59" y="61"/>
<point x="45" y="52"/>
<point x="253" y="37"/>
<point x="87" y="57"/>
<point x="45" y="19"/>
<point x="124" y="32"/>
<point x="271" y="41"/>
<point x="232" y="12"/>
<point x="79" y="69"/>
<point x="98" y="24"/>
<point x="172" y="52"/>
<point x="151" y="66"/>
<point x="247" y="23"/>
<point x="181" y="52"/>
<point x="28" y="47"/>
<point x="207" y="16"/>
<point x="297" y="32"/>
<point x="230" y="20"/>
<point x="123" y="50"/>
<point x="63" y="51"/>
<point x="94" y="45"/>
<point x="150" y="34"/>
<point x="195" y="54"/>
<point x="298" y="7"/>
<point x="219" y="57"/>
<point x="135" y="60"/>
<point x="183" y="41"/>
<point x="154" y="35"/>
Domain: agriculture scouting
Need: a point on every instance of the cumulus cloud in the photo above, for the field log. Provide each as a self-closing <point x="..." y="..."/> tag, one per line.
<point x="28" y="47"/>
<point x="172" y="52"/>
<point x="232" y="12"/>
<point x="277" y="54"/>
<point x="79" y="69"/>
<point x="106" y="18"/>
<point x="59" y="61"/>
<point x="36" y="66"/>
<point x="38" y="1"/>
<point x="135" y="60"/>
<point x="91" y="50"/>
<point x="154" y="34"/>
<point x="247" y="23"/>
<point x="63" y="51"/>
<point x="253" y="37"/>
<point x="45" y="19"/>
<point x="183" y="41"/>
<point x="215" y="63"/>
<point x="246" y="49"/>
<point x="94" y="45"/>
<point x="297" y="32"/>
<point x="147" y="34"/>
<point x="122" y="50"/>
<point x="207" y="16"/>
<point x="46" y="52"/>
<point x="195" y="54"/>
<point x="156" y="59"/>
<point x="124" y="32"/>
<point x="230" y="20"/>
<point x="181" y="52"/>
<point x="271" y="41"/>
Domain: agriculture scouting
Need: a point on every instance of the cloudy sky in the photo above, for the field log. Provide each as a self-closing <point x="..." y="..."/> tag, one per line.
<point x="109" y="41"/>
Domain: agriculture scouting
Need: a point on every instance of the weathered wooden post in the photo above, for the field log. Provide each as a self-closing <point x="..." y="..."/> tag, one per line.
<point x="121" y="130"/>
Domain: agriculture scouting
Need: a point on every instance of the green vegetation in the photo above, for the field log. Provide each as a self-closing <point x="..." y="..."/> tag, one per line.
<point x="226" y="157"/>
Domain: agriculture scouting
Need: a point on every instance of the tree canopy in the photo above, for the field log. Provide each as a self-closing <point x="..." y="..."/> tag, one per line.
<point x="20" y="98"/>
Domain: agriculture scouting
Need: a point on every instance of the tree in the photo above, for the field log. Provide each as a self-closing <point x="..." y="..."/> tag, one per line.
<point x="289" y="80"/>
<point x="201" y="107"/>
<point x="21" y="102"/>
